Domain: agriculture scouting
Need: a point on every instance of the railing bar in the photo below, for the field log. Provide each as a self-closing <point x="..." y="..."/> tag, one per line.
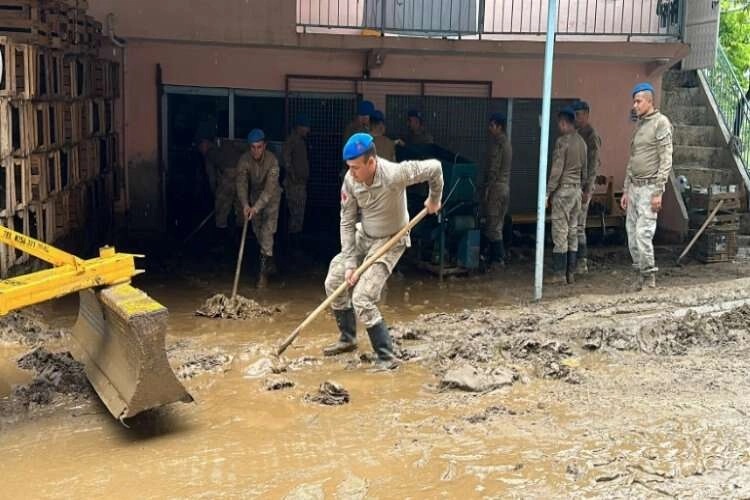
<point x="650" y="12"/>
<point x="596" y="12"/>
<point x="450" y="16"/>
<point x="539" y="18"/>
<point x="622" y="17"/>
<point x="567" y="22"/>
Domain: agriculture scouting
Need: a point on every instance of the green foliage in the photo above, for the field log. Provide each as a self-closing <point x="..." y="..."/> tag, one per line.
<point x="734" y="35"/>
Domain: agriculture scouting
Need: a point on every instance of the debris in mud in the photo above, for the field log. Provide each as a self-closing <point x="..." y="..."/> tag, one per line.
<point x="469" y="378"/>
<point x="27" y="327"/>
<point x="199" y="363"/>
<point x="488" y="413"/>
<point x="56" y="373"/>
<point x="277" y="383"/>
<point x="675" y="336"/>
<point x="737" y="319"/>
<point x="260" y="368"/>
<point x="221" y="306"/>
<point x="330" y="393"/>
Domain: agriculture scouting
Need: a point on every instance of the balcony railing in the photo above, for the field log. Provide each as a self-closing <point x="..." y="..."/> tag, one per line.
<point x="492" y="18"/>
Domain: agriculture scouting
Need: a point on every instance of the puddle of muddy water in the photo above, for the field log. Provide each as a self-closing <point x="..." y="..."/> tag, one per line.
<point x="635" y="424"/>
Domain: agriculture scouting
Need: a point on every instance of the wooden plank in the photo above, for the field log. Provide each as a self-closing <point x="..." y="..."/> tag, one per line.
<point x="38" y="185"/>
<point x="8" y="76"/>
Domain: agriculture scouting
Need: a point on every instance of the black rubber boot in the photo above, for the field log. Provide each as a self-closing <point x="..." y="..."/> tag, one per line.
<point x="347" y="323"/>
<point x="380" y="338"/>
<point x="572" y="264"/>
<point x="498" y="252"/>
<point x="559" y="264"/>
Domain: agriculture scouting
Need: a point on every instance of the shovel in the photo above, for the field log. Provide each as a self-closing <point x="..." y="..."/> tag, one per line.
<point x="700" y="231"/>
<point x="343" y="287"/>
<point x="239" y="260"/>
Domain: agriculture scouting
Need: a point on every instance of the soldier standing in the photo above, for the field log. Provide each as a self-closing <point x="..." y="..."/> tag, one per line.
<point x="645" y="180"/>
<point x="593" y="147"/>
<point x="496" y="195"/>
<point x="385" y="147"/>
<point x="374" y="190"/>
<point x="418" y="134"/>
<point x="564" y="189"/>
<point x="221" y="169"/>
<point x="297" y="172"/>
<point x="260" y="168"/>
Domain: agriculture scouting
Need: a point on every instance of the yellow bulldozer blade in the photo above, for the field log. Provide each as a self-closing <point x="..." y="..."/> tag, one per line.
<point x="121" y="331"/>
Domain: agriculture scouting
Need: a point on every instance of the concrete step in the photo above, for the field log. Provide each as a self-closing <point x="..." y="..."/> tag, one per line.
<point x="697" y="135"/>
<point x="681" y="96"/>
<point x="689" y="115"/>
<point x="710" y="156"/>
<point x="700" y="175"/>
<point x="676" y="79"/>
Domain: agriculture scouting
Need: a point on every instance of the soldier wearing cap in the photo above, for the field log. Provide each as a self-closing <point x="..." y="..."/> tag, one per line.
<point x="645" y="180"/>
<point x="385" y="146"/>
<point x="418" y="134"/>
<point x="373" y="209"/>
<point x="593" y="147"/>
<point x="297" y="168"/>
<point x="496" y="192"/>
<point x="564" y="188"/>
<point x="260" y="169"/>
<point x="360" y="123"/>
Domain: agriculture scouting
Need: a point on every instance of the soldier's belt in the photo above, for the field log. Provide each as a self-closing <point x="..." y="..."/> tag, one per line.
<point x="570" y="185"/>
<point x="642" y="182"/>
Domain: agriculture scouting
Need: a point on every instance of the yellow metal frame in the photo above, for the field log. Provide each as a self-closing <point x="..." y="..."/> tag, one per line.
<point x="69" y="273"/>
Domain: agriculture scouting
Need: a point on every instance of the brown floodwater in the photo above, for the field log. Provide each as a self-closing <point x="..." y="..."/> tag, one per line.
<point x="637" y="426"/>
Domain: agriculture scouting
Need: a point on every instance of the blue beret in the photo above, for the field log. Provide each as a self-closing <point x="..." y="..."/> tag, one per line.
<point x="378" y="116"/>
<point x="581" y="106"/>
<point x="357" y="145"/>
<point x="641" y="87"/>
<point x="569" y="112"/>
<point x="255" y="135"/>
<point x="302" y="120"/>
<point x="499" y="118"/>
<point x="365" y="108"/>
<point x="413" y="113"/>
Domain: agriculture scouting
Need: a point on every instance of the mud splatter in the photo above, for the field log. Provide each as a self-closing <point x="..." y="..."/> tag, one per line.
<point x="215" y="361"/>
<point x="221" y="306"/>
<point x="27" y="328"/>
<point x="277" y="383"/>
<point x="330" y="393"/>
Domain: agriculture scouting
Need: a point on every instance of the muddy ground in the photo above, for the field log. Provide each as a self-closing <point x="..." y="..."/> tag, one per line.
<point x="594" y="392"/>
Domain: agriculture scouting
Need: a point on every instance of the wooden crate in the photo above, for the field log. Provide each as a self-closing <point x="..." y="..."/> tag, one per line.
<point x="88" y="159"/>
<point x="62" y="214"/>
<point x="55" y="73"/>
<point x="716" y="246"/>
<point x="15" y="185"/>
<point x="22" y="19"/>
<point x="7" y="76"/>
<point x="18" y="69"/>
<point x="724" y="220"/>
<point x="708" y="201"/>
<point x="71" y="116"/>
<point x="85" y="121"/>
<point x="41" y="124"/>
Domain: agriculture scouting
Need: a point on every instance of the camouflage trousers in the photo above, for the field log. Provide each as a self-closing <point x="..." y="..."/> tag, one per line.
<point x="296" y="197"/>
<point x="641" y="226"/>
<point x="494" y="208"/>
<point x="264" y="226"/>
<point x="367" y="292"/>
<point x="566" y="205"/>
<point x="582" y="219"/>
<point x="225" y="197"/>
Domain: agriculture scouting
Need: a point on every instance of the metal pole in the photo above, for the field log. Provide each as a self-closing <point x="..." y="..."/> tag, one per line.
<point x="549" y="52"/>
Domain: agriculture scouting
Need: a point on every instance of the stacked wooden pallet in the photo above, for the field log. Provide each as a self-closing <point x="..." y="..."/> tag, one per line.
<point x="719" y="241"/>
<point x="58" y="142"/>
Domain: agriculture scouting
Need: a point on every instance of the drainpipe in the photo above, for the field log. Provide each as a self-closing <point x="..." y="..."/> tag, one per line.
<point x="122" y="45"/>
<point x="549" y="51"/>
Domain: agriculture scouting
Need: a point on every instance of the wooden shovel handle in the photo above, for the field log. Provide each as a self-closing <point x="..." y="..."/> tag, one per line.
<point x="342" y="288"/>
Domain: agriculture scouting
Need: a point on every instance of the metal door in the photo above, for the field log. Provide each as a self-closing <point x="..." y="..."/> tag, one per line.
<point x="701" y="33"/>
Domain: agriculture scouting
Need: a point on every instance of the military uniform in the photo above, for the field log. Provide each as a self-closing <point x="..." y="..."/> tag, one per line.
<point x="564" y="187"/>
<point x="421" y="136"/>
<point x="385" y="147"/>
<point x="382" y="211"/>
<point x="647" y="173"/>
<point x="265" y="195"/>
<point x="496" y="197"/>
<point x="295" y="182"/>
<point x="221" y="169"/>
<point x="593" y="147"/>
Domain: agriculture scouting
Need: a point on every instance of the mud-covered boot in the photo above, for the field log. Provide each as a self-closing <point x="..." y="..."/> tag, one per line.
<point x="271" y="266"/>
<point x="498" y="253"/>
<point x="380" y="338"/>
<point x="559" y="263"/>
<point x="263" y="277"/>
<point x="570" y="273"/>
<point x="347" y="323"/>
<point x="648" y="279"/>
<point x="583" y="259"/>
